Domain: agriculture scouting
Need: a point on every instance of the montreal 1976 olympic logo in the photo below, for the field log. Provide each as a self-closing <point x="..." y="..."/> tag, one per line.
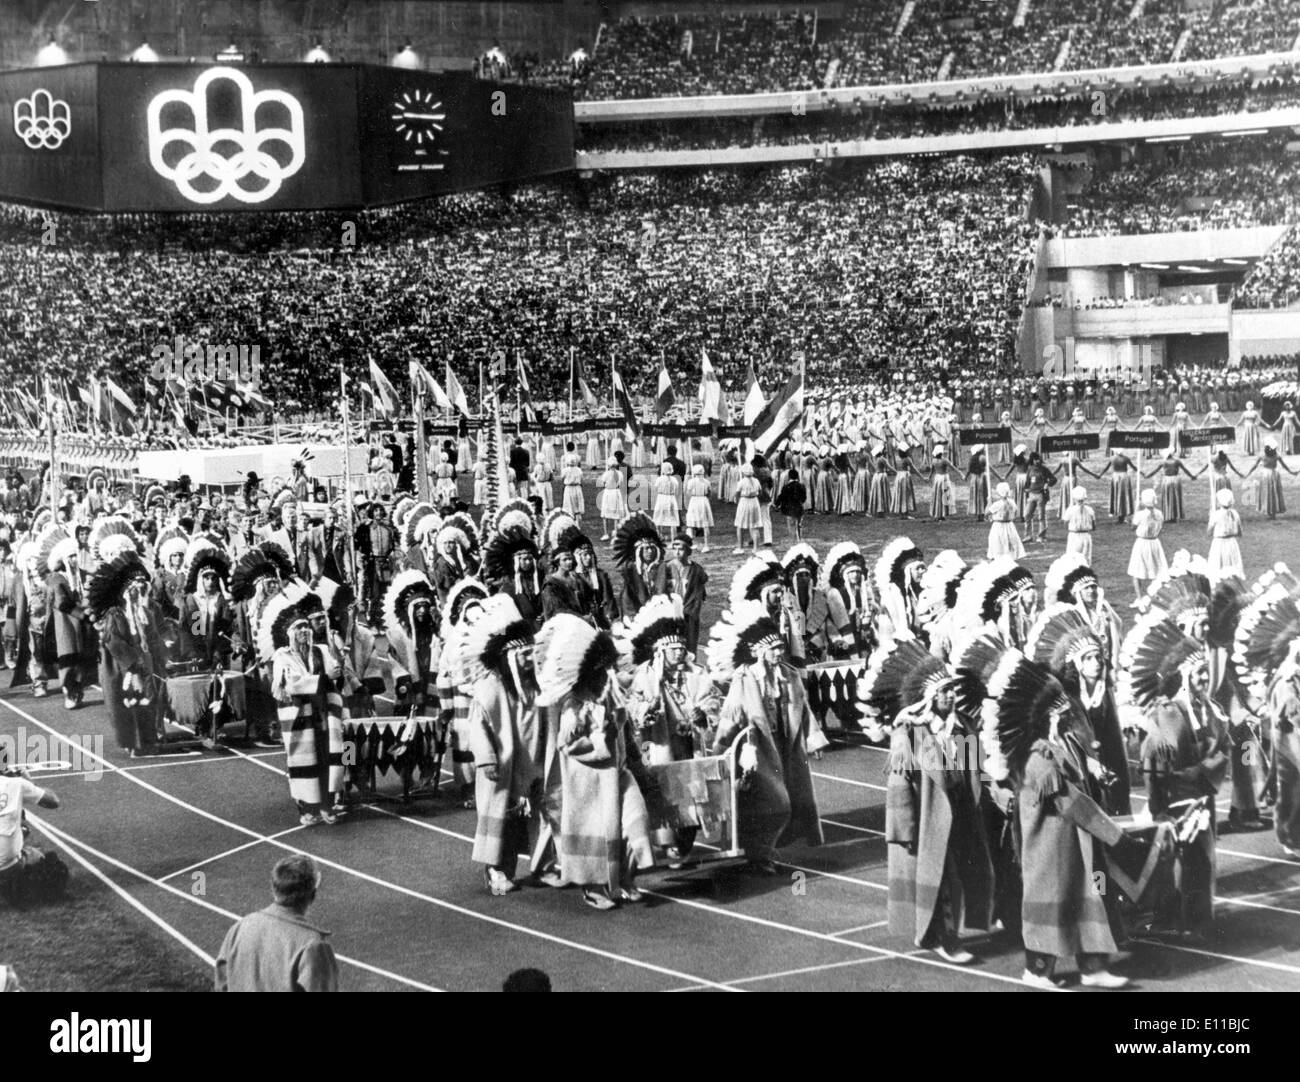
<point x="42" y="121"/>
<point x="223" y="174"/>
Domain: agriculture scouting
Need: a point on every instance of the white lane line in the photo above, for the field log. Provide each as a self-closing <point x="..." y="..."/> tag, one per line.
<point x="850" y="826"/>
<point x="157" y="766"/>
<point x="826" y="937"/>
<point x="441" y="903"/>
<point x="205" y="904"/>
<point x="1280" y="966"/>
<point x="227" y="853"/>
<point x="837" y="876"/>
<point x="1259" y="856"/>
<point x="130" y="900"/>
<point x="851" y="781"/>
<point x="789" y="973"/>
<point x="862" y="928"/>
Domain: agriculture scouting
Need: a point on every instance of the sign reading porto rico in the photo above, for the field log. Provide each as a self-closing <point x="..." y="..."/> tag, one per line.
<point x="221" y="137"/>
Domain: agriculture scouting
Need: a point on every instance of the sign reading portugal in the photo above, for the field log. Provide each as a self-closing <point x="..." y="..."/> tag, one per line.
<point x="220" y="162"/>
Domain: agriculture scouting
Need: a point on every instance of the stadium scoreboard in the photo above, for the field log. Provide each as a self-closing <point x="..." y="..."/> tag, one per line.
<point x="197" y="137"/>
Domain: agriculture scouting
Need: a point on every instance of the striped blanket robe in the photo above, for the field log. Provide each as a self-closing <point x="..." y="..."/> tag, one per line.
<point x="415" y="680"/>
<point x="311" y="721"/>
<point x="506" y="732"/>
<point x="604" y="827"/>
<point x="453" y="720"/>
<point x="935" y="832"/>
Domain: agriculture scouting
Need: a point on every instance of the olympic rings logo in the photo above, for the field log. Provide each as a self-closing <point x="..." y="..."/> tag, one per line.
<point x="42" y="121"/>
<point x="251" y="159"/>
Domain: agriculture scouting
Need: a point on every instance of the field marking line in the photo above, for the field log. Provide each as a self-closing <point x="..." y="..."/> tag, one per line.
<point x="1281" y="966"/>
<point x="205" y="904"/>
<point x="838" y="876"/>
<point x="396" y="887"/>
<point x="227" y="853"/>
<point x="790" y="973"/>
<point x="862" y="928"/>
<point x="1259" y="856"/>
<point x="850" y="781"/>
<point x="857" y="829"/>
<point x="121" y="892"/>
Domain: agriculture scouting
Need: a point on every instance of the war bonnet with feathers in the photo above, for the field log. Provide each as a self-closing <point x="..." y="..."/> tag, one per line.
<point x="1267" y="630"/>
<point x="1152" y="659"/>
<point x="939" y="583"/>
<point x="1023" y="698"/>
<point x="839" y="559"/>
<point x="631" y="532"/>
<point x="572" y="658"/>
<point x="478" y="647"/>
<point x="754" y="576"/>
<point x="279" y="614"/>
<point x="1060" y="638"/>
<point x="407" y="589"/>
<point x="109" y="582"/>
<point x="1067" y="574"/>
<point x="901" y="674"/>
<point x="659" y="620"/>
<point x="892" y="562"/>
<point x="736" y="639"/>
<point x="111" y="536"/>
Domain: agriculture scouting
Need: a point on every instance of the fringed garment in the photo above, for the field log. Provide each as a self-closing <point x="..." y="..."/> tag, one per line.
<point x="311" y="721"/>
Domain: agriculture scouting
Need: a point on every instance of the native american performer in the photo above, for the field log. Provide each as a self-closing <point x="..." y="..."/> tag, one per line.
<point x="1185" y="756"/>
<point x="133" y="660"/>
<point x="596" y="588"/>
<point x="168" y="587"/>
<point x="1267" y="655"/>
<point x="414" y="650"/>
<point x="805" y="608"/>
<point x="420" y="528"/>
<point x="357" y="646"/>
<point x="995" y="598"/>
<point x="74" y="634"/>
<point x="897" y="577"/>
<point x="766" y="702"/>
<point x="36" y="649"/>
<point x="305" y="682"/>
<point x="603" y="839"/>
<point x="672" y="701"/>
<point x="562" y="590"/>
<point x="492" y="658"/>
<point x="457" y="558"/>
<point x="940" y="864"/>
<point x="851" y="611"/>
<point x="638" y="550"/>
<point x="207" y="618"/>
<point x="464" y="605"/>
<point x="1036" y="737"/>
<point x="938" y="595"/>
<point x="510" y="566"/>
<point x="258" y="577"/>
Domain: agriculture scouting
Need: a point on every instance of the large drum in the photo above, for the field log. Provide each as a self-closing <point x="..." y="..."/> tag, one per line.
<point x="206" y="701"/>
<point x="373" y="746"/>
<point x="832" y="689"/>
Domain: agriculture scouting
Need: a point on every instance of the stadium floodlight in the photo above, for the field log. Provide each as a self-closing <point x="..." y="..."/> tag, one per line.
<point x="144" y="54"/>
<point x="1169" y="139"/>
<point x="317" y="54"/>
<point x="51" y="55"/>
<point x="1155" y="266"/>
<point x="406" y="57"/>
<point x="1247" y="131"/>
<point x="1238" y="262"/>
<point x="1194" y="270"/>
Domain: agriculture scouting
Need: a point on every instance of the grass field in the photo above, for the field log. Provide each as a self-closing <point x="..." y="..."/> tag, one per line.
<point x="192" y="841"/>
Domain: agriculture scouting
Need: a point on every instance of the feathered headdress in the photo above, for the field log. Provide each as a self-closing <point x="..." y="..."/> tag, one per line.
<point x="1152" y="658"/>
<point x="111" y="536"/>
<point x="974" y="666"/>
<point x="1266" y="633"/>
<point x="986" y="588"/>
<point x="570" y="540"/>
<point x="901" y="674"/>
<point x="110" y="580"/>
<point x="1060" y="637"/>
<point x="838" y="560"/>
<point x="892" y="563"/>
<point x="173" y="546"/>
<point x="502" y="548"/>
<point x="1067" y="574"/>
<point x="939" y="583"/>
<point x="401" y="509"/>
<point x="1023" y="699"/>
<point x="659" y="620"/>
<point x="464" y="592"/>
<point x="253" y="565"/>
<point x="1182" y="593"/>
<point x="94" y="475"/>
<point x="200" y="556"/>
<point x="418" y="513"/>
<point x="154" y="495"/>
<point x="278" y="615"/>
<point x="459" y="527"/>
<point x="280" y="560"/>
<point x="557" y="520"/>
<point x="514" y="514"/>
<point x="337" y="597"/>
<point x="407" y="588"/>
<point x="479" y="646"/>
<point x="1228" y="599"/>
<point x="630" y="533"/>
<point x="754" y="576"/>
<point x="734" y="641"/>
<point x="800" y="557"/>
<point x="572" y="657"/>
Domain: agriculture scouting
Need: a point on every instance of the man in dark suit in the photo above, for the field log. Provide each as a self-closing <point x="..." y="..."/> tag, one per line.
<point x="328" y="545"/>
<point x="520" y="464"/>
<point x="681" y="575"/>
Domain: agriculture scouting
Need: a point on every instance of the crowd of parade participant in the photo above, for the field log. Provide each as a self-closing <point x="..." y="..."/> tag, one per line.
<point x="574" y="698"/>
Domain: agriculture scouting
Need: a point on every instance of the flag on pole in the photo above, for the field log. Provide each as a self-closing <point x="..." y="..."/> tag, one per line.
<point x="664" y="398"/>
<point x="422" y="379"/>
<point x="779" y="417"/>
<point x="710" y="390"/>
<point x="384" y="392"/>
<point x="754" y="400"/>
<point x="631" y="429"/>
<point x="525" y="392"/>
<point x="456" y="393"/>
<point x="580" y="382"/>
<point x="121" y="400"/>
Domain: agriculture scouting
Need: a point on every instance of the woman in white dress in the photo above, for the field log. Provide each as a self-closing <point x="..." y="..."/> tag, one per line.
<point x="666" y="500"/>
<point x="699" y="513"/>
<point x="1147" y="560"/>
<point x="1004" y="538"/>
<point x="1225" y="550"/>
<point x="571" y="477"/>
<point x="1080" y="520"/>
<point x="613" y="505"/>
<point x="749" y="515"/>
